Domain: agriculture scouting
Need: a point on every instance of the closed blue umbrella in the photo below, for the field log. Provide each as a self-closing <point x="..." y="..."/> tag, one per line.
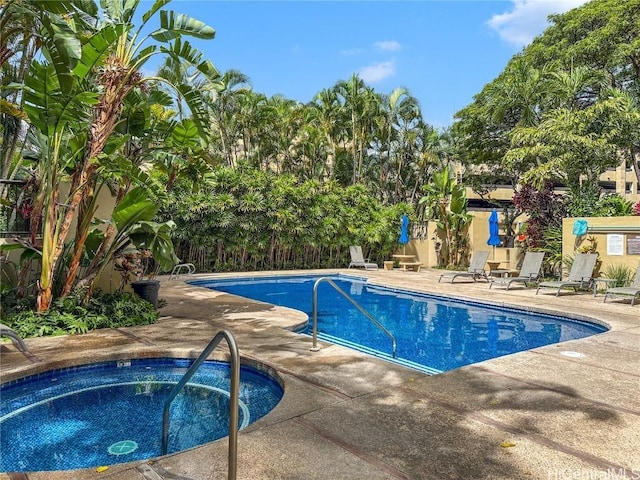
<point x="404" y="230"/>
<point x="494" y="230"/>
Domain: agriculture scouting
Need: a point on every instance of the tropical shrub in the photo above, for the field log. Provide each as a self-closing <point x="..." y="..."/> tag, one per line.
<point x="241" y="220"/>
<point x="69" y="315"/>
<point x="545" y="210"/>
<point x="622" y="274"/>
<point x="446" y="203"/>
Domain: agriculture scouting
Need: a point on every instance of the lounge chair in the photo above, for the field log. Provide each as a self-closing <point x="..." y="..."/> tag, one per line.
<point x="580" y="275"/>
<point x="475" y="270"/>
<point x="358" y="260"/>
<point x="14" y="337"/>
<point x="632" y="290"/>
<point x="529" y="272"/>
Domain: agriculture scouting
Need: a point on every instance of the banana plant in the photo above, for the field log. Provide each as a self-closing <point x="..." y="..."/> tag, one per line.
<point x="447" y="205"/>
<point x="102" y="76"/>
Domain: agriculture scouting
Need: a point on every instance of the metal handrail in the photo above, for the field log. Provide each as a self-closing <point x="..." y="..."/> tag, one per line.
<point x="177" y="270"/>
<point x="315" y="347"/>
<point x="233" y="397"/>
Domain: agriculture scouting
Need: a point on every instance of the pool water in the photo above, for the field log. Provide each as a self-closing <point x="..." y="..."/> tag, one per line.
<point x="111" y="412"/>
<point x="433" y="333"/>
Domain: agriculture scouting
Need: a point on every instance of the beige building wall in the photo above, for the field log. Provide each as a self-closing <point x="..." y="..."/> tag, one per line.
<point x="110" y="279"/>
<point x="618" y="240"/>
<point x="425" y="249"/>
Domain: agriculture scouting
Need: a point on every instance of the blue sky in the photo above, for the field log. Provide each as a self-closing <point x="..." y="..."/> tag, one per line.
<point x="443" y="52"/>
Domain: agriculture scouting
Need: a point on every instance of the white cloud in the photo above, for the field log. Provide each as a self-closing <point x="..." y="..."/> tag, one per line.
<point x="388" y="46"/>
<point x="378" y="71"/>
<point x="351" y="51"/>
<point x="528" y="19"/>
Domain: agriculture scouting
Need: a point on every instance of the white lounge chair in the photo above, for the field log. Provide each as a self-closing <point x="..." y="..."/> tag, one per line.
<point x="14" y="337"/>
<point x="580" y="275"/>
<point x="475" y="270"/>
<point x="632" y="290"/>
<point x="358" y="260"/>
<point x="529" y="272"/>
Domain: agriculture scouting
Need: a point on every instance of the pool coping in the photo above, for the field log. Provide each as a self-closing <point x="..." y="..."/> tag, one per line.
<point x="329" y="388"/>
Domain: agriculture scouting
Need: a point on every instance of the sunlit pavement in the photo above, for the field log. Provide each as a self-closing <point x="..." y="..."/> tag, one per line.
<point x="564" y="411"/>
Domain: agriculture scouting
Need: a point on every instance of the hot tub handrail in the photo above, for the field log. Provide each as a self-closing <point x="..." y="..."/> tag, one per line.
<point x="233" y="397"/>
<point x="315" y="348"/>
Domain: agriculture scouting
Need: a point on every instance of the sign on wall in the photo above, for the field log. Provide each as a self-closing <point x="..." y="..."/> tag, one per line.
<point x="615" y="244"/>
<point x="633" y="244"/>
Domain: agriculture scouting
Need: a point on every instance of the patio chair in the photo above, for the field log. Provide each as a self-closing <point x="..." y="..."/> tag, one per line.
<point x="529" y="272"/>
<point x="14" y="337"/>
<point x="632" y="290"/>
<point x="475" y="270"/>
<point x="358" y="260"/>
<point x="580" y="275"/>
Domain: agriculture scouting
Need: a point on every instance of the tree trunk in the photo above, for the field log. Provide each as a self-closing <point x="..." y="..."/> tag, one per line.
<point x="106" y="114"/>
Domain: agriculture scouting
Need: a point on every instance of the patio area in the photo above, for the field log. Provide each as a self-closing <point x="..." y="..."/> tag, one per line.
<point x="538" y="414"/>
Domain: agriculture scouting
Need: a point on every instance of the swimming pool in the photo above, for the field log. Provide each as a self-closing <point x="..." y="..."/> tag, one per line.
<point x="111" y="412"/>
<point x="433" y="333"/>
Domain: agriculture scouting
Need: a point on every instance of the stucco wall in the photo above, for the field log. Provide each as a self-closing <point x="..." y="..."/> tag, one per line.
<point x="619" y="234"/>
<point x="425" y="250"/>
<point x="108" y="281"/>
<point x="624" y="229"/>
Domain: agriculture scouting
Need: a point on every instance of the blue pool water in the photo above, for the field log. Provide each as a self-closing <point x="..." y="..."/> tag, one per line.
<point x="433" y="333"/>
<point x="101" y="414"/>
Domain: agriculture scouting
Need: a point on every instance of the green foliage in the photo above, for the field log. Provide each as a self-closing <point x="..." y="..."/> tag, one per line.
<point x="613" y="206"/>
<point x="252" y="220"/>
<point x="621" y="273"/>
<point x="564" y="108"/>
<point x="552" y="246"/>
<point x="69" y="316"/>
<point x="587" y="203"/>
<point x="447" y="204"/>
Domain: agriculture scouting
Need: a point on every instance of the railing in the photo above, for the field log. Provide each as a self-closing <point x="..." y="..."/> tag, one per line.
<point x="315" y="347"/>
<point x="233" y="398"/>
<point x="188" y="268"/>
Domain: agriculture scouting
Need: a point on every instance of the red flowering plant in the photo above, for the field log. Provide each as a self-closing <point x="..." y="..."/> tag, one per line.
<point x="636" y="209"/>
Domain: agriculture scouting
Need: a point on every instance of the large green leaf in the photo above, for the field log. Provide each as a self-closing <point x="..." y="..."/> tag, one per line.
<point x="173" y="25"/>
<point x="183" y="51"/>
<point x="156" y="238"/>
<point x="136" y="206"/>
<point x="200" y="114"/>
<point x="63" y="48"/>
<point x="98" y="48"/>
<point x="185" y="133"/>
<point x="48" y="108"/>
<point x="156" y="6"/>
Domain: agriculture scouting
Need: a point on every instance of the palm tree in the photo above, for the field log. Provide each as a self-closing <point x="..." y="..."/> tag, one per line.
<point x="354" y="96"/>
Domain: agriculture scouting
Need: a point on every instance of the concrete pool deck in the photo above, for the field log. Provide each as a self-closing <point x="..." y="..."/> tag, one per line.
<point x="538" y="414"/>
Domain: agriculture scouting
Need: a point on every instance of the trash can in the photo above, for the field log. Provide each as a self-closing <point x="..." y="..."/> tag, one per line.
<point x="388" y="265"/>
<point x="147" y="290"/>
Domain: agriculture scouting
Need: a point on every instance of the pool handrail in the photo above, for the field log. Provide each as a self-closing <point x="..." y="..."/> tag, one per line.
<point x="177" y="271"/>
<point x="315" y="347"/>
<point x="233" y="397"/>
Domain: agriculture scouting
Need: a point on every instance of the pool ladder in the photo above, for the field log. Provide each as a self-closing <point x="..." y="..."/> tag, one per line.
<point x="233" y="397"/>
<point x="182" y="269"/>
<point x="315" y="347"/>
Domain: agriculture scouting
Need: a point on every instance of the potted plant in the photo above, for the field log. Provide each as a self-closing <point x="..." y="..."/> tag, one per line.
<point x="134" y="265"/>
<point x="140" y="248"/>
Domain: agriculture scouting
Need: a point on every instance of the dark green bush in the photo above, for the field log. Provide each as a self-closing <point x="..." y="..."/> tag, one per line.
<point x="68" y="315"/>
